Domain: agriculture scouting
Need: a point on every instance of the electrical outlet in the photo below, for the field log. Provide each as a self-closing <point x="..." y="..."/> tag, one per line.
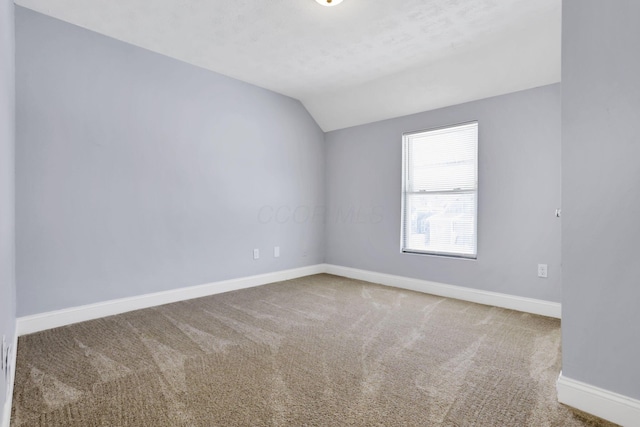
<point x="7" y="362"/>
<point x="276" y="251"/>
<point x="6" y="357"/>
<point x="542" y="270"/>
<point x="256" y="253"/>
<point x="4" y="354"/>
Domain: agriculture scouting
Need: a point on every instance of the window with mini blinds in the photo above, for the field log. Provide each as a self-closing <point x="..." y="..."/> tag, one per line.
<point x="440" y="191"/>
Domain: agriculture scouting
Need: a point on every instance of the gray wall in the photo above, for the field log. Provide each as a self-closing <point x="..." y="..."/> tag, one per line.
<point x="601" y="194"/>
<point x="519" y="190"/>
<point x="136" y="173"/>
<point x="7" y="139"/>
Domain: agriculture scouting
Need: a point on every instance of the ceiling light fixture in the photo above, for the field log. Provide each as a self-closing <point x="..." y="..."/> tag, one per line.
<point x="329" y="2"/>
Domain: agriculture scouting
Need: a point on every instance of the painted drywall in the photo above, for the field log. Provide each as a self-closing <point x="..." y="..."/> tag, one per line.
<point x="519" y="190"/>
<point x="136" y="173"/>
<point x="601" y="194"/>
<point x="7" y="142"/>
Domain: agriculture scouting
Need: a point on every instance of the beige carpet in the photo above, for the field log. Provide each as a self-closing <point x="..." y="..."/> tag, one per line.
<point x="316" y="351"/>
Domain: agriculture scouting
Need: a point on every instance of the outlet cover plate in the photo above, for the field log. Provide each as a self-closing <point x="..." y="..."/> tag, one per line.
<point x="4" y="354"/>
<point x="542" y="270"/>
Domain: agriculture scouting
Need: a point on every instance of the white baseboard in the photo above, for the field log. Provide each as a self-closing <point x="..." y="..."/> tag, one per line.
<point x="43" y="321"/>
<point x="53" y="319"/>
<point x="602" y="403"/>
<point x="527" y="305"/>
<point x="6" y="414"/>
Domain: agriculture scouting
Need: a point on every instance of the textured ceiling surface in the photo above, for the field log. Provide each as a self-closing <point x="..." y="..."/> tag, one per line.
<point x="361" y="61"/>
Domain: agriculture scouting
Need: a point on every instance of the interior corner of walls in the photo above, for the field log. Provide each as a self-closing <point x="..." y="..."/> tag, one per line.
<point x="602" y="403"/>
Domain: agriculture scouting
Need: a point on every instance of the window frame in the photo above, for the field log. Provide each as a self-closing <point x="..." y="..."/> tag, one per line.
<point x="405" y="180"/>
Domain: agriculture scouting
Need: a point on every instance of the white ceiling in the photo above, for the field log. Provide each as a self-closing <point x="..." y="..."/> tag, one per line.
<point x="361" y="61"/>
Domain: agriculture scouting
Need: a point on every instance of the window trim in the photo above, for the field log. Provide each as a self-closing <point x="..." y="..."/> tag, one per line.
<point x="404" y="179"/>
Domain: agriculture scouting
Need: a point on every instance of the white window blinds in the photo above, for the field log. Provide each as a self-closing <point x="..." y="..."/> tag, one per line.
<point x="440" y="183"/>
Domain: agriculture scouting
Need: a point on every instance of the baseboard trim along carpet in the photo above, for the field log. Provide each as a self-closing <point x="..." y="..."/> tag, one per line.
<point x="527" y="305"/>
<point x="602" y="403"/>
<point x="53" y="319"/>
<point x="6" y="413"/>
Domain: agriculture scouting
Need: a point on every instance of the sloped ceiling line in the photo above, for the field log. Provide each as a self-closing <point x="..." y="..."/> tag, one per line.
<point x="359" y="62"/>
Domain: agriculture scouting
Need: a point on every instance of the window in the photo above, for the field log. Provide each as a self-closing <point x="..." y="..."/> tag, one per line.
<point x="440" y="191"/>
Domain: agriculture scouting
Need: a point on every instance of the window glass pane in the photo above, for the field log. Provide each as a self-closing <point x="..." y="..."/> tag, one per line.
<point x="441" y="223"/>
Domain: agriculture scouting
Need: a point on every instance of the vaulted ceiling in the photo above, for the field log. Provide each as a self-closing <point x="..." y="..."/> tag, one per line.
<point x="358" y="62"/>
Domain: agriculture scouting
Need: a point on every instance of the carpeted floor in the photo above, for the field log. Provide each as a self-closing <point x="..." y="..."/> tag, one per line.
<point x="316" y="351"/>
